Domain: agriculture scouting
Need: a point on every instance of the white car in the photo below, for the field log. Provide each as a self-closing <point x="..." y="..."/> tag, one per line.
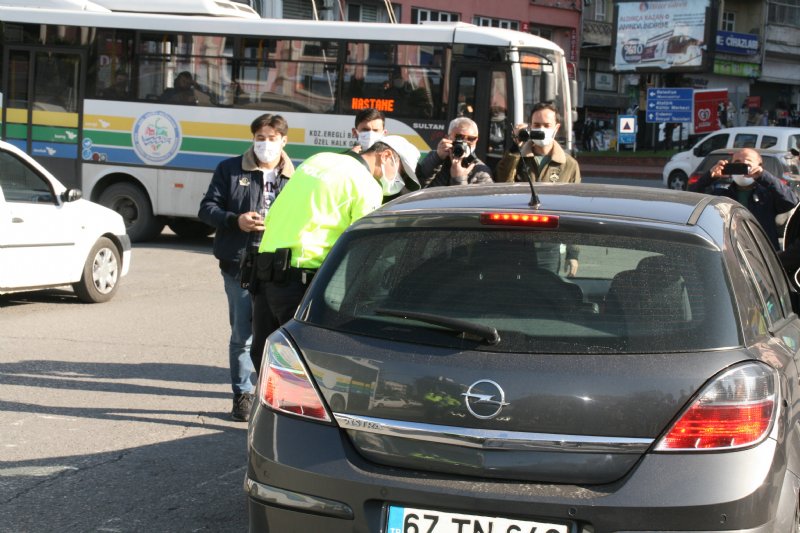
<point x="677" y="170"/>
<point x="50" y="237"/>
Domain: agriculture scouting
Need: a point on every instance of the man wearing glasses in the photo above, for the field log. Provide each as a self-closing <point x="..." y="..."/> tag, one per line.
<point x="454" y="161"/>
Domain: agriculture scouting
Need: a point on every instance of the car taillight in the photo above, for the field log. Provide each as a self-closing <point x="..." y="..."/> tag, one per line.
<point x="285" y="385"/>
<point x="733" y="411"/>
<point x="694" y="178"/>
<point x="520" y="219"/>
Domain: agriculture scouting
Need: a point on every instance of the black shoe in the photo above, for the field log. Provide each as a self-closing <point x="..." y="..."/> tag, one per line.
<point x="242" y="403"/>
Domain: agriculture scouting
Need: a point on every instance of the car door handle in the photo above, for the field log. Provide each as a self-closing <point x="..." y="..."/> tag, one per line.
<point x="16" y="220"/>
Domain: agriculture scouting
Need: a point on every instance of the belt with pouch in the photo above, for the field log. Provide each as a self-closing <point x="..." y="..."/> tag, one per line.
<point x="303" y="275"/>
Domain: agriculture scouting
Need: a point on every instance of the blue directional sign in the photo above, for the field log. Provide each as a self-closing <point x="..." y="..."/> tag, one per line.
<point x="669" y="105"/>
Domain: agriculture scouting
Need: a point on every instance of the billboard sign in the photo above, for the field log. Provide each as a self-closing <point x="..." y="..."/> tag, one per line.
<point x="710" y="110"/>
<point x="660" y="35"/>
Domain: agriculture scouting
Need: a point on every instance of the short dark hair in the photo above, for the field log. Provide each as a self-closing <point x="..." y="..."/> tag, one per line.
<point x="546" y="105"/>
<point x="276" y="122"/>
<point x="368" y="115"/>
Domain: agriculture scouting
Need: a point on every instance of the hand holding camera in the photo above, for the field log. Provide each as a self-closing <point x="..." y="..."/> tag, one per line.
<point x="462" y="151"/>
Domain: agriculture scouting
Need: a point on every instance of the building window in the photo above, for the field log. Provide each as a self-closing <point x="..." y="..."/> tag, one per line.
<point x="784" y="12"/>
<point x="728" y="21"/>
<point x="418" y="16"/>
<point x="544" y="33"/>
<point x="496" y="23"/>
<point x="600" y="10"/>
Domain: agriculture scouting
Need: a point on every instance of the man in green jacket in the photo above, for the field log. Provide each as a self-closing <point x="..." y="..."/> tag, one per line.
<point x="545" y="159"/>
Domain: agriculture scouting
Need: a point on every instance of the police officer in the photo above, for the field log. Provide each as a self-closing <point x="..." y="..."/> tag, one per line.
<point x="326" y="194"/>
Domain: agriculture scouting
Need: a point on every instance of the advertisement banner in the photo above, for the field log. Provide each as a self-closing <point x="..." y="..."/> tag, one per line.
<point x="710" y="110"/>
<point x="661" y="34"/>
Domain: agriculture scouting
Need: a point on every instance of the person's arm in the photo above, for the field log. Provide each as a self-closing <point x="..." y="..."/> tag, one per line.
<point x="506" y="170"/>
<point x="785" y="199"/>
<point x="571" y="260"/>
<point x="213" y="207"/>
<point x="481" y="174"/>
<point x="428" y="167"/>
<point x="701" y="184"/>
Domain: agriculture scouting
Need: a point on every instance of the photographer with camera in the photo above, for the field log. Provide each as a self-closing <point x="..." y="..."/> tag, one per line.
<point x="762" y="193"/>
<point x="544" y="159"/>
<point x="454" y="161"/>
<point x="536" y="156"/>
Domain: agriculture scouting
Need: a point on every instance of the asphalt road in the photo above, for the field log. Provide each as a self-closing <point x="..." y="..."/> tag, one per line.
<point x="114" y="417"/>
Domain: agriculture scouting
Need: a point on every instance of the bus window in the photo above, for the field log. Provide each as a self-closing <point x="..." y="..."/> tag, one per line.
<point x="56" y="82"/>
<point x="290" y="75"/>
<point x="184" y="69"/>
<point x="498" y="111"/>
<point x="466" y="95"/>
<point x="400" y="80"/>
<point x="109" y="71"/>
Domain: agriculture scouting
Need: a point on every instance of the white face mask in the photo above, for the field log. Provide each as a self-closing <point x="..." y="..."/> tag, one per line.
<point x="368" y="138"/>
<point x="549" y="135"/>
<point x="742" y="181"/>
<point x="391" y="184"/>
<point x="267" y="151"/>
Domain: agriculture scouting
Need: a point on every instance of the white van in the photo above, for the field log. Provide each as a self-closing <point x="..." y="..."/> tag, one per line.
<point x="676" y="171"/>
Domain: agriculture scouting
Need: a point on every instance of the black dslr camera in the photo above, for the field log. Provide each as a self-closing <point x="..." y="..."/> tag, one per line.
<point x="460" y="148"/>
<point x="527" y="134"/>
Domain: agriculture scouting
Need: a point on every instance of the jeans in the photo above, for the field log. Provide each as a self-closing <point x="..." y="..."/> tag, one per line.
<point x="240" y="314"/>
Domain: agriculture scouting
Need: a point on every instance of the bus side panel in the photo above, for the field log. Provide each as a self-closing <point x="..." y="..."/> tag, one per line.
<point x="173" y="150"/>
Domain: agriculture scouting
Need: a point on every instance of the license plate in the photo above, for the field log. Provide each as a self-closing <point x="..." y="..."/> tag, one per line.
<point x="410" y="520"/>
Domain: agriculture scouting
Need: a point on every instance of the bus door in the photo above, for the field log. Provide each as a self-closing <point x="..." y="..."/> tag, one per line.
<point x="42" y="107"/>
<point x="480" y="92"/>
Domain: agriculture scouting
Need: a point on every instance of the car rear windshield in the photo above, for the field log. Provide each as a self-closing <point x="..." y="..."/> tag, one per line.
<point x="451" y="288"/>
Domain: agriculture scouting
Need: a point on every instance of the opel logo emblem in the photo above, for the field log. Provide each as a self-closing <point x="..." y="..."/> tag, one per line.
<point x="485" y="399"/>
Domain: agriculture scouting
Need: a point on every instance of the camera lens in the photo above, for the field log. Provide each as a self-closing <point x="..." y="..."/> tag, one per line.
<point x="460" y="148"/>
<point x="524" y="135"/>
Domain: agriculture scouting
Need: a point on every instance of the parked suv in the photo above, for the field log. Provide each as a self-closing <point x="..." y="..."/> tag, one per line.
<point x="654" y="391"/>
<point x="677" y="170"/>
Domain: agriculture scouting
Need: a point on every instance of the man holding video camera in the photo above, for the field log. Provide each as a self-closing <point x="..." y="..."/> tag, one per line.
<point x="762" y="193"/>
<point x="536" y="156"/>
<point x="454" y="161"/>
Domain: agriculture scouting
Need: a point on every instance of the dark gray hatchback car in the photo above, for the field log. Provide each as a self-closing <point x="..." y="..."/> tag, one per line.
<point x="443" y="375"/>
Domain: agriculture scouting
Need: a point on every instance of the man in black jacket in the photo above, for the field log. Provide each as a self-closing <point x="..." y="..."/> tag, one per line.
<point x="758" y="190"/>
<point x="236" y="203"/>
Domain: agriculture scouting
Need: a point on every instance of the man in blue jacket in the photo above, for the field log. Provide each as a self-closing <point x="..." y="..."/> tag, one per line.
<point x="236" y="203"/>
<point x="762" y="193"/>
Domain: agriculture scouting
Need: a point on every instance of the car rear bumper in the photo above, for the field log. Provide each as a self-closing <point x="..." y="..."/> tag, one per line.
<point x="305" y="476"/>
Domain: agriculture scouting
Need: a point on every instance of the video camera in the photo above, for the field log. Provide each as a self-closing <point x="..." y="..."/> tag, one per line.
<point x="527" y="134"/>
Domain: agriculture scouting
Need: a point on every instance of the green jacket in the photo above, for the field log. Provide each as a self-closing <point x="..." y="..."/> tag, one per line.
<point x="561" y="168"/>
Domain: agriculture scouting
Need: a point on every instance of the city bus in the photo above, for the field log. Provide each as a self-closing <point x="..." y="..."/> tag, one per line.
<point x="92" y="95"/>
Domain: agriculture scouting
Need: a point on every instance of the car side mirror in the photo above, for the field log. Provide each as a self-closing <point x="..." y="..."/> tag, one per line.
<point x="70" y="195"/>
<point x="697" y="152"/>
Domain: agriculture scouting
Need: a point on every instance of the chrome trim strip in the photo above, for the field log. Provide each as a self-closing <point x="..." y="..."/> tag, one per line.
<point x="492" y="439"/>
<point x="294" y="500"/>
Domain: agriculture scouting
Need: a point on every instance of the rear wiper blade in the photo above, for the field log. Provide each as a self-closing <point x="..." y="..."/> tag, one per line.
<point x="487" y="333"/>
